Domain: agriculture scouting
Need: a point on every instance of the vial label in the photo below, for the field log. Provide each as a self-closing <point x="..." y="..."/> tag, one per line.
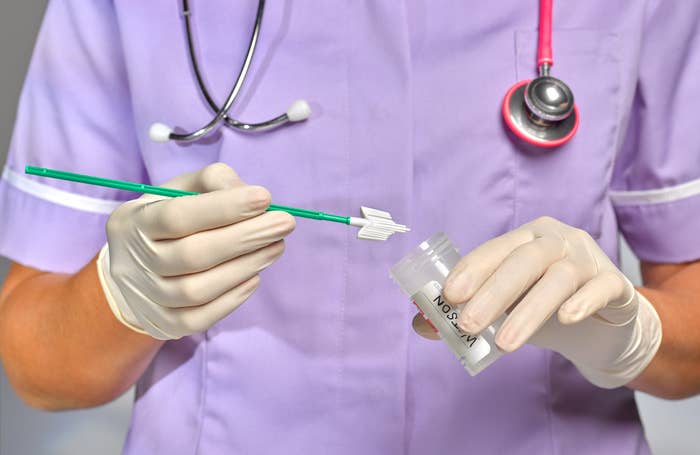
<point x="443" y="316"/>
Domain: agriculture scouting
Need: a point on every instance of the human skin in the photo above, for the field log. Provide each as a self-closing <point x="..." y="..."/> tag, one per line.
<point x="674" y="291"/>
<point x="46" y="320"/>
<point x="60" y="342"/>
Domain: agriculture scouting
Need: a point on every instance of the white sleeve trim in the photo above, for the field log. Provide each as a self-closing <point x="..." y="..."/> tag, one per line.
<point x="58" y="196"/>
<point x="655" y="196"/>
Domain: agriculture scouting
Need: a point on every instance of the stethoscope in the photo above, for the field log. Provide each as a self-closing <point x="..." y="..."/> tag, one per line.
<point x="299" y="110"/>
<point x="540" y="111"/>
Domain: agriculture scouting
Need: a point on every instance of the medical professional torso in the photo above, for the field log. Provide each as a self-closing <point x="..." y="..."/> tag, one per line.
<point x="406" y="100"/>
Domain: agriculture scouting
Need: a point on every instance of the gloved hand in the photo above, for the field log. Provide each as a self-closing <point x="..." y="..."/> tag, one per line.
<point x="607" y="329"/>
<point x="173" y="267"/>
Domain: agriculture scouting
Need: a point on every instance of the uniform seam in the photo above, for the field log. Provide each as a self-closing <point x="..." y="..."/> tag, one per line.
<point x="411" y="137"/>
<point x="513" y="155"/>
<point x="204" y="376"/>
<point x="549" y="401"/>
<point x="346" y="247"/>
<point x="617" y="135"/>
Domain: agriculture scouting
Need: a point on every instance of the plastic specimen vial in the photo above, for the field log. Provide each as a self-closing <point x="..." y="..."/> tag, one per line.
<point x="421" y="275"/>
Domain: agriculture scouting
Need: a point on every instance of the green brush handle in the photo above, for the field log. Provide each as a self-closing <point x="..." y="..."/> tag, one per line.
<point x="169" y="192"/>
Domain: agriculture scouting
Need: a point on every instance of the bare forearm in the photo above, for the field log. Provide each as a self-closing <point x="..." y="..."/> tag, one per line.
<point x="675" y="293"/>
<point x="60" y="344"/>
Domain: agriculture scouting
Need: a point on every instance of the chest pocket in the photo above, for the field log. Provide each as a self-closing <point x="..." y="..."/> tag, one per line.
<point x="570" y="182"/>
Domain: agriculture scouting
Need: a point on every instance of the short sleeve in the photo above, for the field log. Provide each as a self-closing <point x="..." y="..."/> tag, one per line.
<point x="656" y="180"/>
<point x="75" y="115"/>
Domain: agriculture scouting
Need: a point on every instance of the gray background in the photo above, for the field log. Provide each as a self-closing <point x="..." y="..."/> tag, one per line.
<point x="672" y="427"/>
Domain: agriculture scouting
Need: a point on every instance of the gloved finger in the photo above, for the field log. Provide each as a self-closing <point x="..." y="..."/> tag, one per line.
<point x="179" y="322"/>
<point x="558" y="283"/>
<point x="207" y="249"/>
<point x="593" y="297"/>
<point x="216" y="176"/>
<point x="423" y="328"/>
<point x="197" y="319"/>
<point x="179" y="217"/>
<point x="520" y="270"/>
<point x="200" y="288"/>
<point x="475" y="268"/>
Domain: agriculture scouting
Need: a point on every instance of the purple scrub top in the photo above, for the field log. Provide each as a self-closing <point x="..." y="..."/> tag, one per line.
<point x="406" y="99"/>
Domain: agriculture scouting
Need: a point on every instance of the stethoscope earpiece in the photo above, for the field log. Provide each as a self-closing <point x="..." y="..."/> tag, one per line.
<point x="159" y="132"/>
<point x="298" y="111"/>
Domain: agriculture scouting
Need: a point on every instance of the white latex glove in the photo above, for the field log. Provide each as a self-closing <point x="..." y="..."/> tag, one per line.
<point x="545" y="267"/>
<point x="173" y="267"/>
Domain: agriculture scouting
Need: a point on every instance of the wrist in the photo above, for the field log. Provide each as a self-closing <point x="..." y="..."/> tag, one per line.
<point x="114" y="297"/>
<point x="631" y="360"/>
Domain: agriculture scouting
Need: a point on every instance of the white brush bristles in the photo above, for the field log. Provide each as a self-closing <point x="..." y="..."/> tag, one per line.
<point x="376" y="225"/>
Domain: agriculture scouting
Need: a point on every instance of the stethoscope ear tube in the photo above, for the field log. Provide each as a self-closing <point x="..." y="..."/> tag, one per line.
<point x="299" y="110"/>
<point x="541" y="112"/>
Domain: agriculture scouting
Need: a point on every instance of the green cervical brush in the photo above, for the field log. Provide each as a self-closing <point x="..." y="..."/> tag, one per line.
<point x="375" y="224"/>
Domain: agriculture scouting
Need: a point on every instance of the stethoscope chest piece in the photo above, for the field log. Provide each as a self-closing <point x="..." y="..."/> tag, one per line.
<point x="541" y="111"/>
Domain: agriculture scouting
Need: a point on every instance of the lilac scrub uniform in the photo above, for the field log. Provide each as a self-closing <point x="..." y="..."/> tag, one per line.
<point x="406" y="99"/>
